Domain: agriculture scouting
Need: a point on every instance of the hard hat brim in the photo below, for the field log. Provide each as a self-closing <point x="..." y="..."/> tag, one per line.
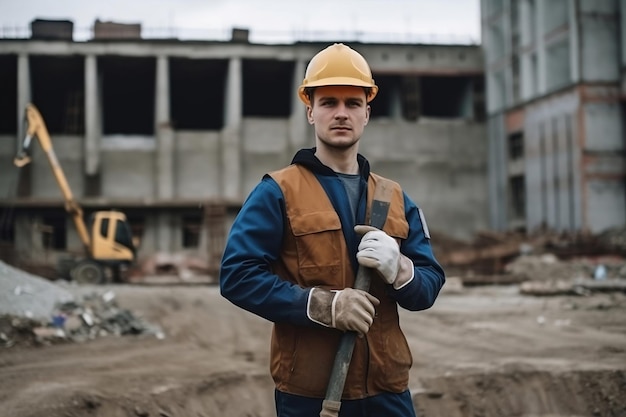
<point x="348" y="81"/>
<point x="336" y="81"/>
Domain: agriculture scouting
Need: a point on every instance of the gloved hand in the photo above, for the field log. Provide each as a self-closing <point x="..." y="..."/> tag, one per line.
<point x="380" y="251"/>
<point x="347" y="310"/>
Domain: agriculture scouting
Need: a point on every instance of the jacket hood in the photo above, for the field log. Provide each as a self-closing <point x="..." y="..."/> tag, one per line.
<point x="306" y="157"/>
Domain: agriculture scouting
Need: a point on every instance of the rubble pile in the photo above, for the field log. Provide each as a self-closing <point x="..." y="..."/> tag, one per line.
<point x="490" y="252"/>
<point x="26" y="295"/>
<point x="34" y="311"/>
<point x="548" y="267"/>
<point x="614" y="239"/>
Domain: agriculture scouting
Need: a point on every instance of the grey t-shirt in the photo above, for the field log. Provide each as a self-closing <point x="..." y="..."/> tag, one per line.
<point x="352" y="182"/>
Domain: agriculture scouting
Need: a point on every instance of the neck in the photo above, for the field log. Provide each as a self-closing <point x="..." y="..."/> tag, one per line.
<point x="343" y="161"/>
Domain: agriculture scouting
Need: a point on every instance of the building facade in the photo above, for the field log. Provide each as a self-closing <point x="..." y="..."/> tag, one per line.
<point x="555" y="73"/>
<point x="177" y="133"/>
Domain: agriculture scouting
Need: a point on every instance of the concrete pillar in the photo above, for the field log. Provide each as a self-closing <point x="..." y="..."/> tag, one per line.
<point x="164" y="133"/>
<point x="574" y="45"/>
<point x="231" y="134"/>
<point x="164" y="153"/>
<point x="541" y="47"/>
<point x="527" y="81"/>
<point x="23" y="94"/>
<point x="622" y="13"/>
<point x="497" y="173"/>
<point x="93" y="129"/>
<point x="395" y="106"/>
<point x="297" y="120"/>
<point x="164" y="232"/>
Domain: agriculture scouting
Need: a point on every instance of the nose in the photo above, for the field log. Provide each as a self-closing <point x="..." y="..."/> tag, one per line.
<point x="341" y="112"/>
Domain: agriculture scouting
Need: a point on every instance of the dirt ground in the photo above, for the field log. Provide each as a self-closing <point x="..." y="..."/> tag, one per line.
<point x="480" y="351"/>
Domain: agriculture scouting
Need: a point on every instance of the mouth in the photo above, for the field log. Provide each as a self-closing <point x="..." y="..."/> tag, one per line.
<point x="341" y="128"/>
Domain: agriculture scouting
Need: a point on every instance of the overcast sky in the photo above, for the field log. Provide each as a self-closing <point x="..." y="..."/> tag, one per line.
<point x="438" y="19"/>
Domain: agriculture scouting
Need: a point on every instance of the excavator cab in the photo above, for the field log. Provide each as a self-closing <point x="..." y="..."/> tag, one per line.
<point x="111" y="237"/>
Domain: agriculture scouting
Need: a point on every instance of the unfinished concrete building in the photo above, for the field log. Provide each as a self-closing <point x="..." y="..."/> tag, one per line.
<point x="177" y="133"/>
<point x="555" y="73"/>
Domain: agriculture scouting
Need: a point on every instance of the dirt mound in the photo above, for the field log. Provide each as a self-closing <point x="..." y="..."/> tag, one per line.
<point x="480" y="351"/>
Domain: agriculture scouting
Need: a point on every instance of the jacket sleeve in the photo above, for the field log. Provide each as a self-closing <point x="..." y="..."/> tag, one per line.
<point x="253" y="243"/>
<point x="429" y="277"/>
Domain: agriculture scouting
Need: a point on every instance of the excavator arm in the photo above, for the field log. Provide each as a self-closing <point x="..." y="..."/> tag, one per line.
<point x="36" y="128"/>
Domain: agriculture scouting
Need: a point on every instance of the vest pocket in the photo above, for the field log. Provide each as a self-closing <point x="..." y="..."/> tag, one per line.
<point x="318" y="238"/>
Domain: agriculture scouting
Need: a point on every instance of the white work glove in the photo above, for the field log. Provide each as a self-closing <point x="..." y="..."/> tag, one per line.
<point x="347" y="310"/>
<point x="381" y="252"/>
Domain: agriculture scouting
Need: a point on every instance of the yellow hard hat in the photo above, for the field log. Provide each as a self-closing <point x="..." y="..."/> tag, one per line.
<point x="338" y="64"/>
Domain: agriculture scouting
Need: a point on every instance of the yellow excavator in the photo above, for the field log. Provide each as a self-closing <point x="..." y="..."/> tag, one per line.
<point x="107" y="241"/>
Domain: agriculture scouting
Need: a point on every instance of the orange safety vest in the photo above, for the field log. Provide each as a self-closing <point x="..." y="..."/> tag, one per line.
<point x="315" y="253"/>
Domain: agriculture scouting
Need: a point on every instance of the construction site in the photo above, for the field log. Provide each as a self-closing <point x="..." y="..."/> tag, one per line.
<point x="124" y="160"/>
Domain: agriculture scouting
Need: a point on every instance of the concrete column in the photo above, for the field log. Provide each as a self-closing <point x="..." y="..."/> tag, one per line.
<point x="527" y="81"/>
<point x="231" y="134"/>
<point x="395" y="111"/>
<point x="164" y="153"/>
<point x="622" y="13"/>
<point x="541" y="47"/>
<point x="297" y="120"/>
<point x="92" y="121"/>
<point x="574" y="44"/>
<point x="497" y="173"/>
<point x="164" y="133"/>
<point x="23" y="94"/>
<point x="164" y="232"/>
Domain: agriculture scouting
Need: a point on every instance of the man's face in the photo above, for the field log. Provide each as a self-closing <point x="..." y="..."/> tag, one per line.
<point x="339" y="114"/>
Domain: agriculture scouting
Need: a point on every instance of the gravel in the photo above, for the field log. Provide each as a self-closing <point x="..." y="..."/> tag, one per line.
<point x="26" y="295"/>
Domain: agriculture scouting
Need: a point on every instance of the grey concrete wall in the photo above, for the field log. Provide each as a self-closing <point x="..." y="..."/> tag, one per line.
<point x="128" y="168"/>
<point x="69" y="152"/>
<point x="197" y="165"/>
<point x="9" y="173"/>
<point x="605" y="165"/>
<point x="603" y="126"/>
<point x="606" y="203"/>
<point x="441" y="164"/>
<point x="622" y="11"/>
<point x="553" y="164"/>
<point x="599" y="40"/>
<point x="265" y="148"/>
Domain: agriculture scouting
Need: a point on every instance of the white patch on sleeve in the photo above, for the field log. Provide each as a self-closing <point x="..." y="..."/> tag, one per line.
<point x="424" y="225"/>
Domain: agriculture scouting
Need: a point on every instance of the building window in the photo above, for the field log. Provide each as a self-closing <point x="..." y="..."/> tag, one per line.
<point x="7" y="225"/>
<point x="518" y="197"/>
<point x="192" y="226"/>
<point x="53" y="232"/>
<point x="137" y="224"/>
<point x="516" y="146"/>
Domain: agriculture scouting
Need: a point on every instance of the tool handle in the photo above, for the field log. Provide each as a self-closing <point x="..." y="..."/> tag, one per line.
<point x="330" y="408"/>
<point x="332" y="403"/>
<point x="378" y="217"/>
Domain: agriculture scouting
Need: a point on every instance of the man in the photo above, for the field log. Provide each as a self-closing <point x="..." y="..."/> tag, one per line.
<point x="295" y="247"/>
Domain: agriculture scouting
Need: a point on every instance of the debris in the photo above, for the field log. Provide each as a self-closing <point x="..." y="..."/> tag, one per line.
<point x="573" y="287"/>
<point x="454" y="285"/>
<point x="599" y="272"/>
<point x="35" y="311"/>
<point x="26" y="295"/>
